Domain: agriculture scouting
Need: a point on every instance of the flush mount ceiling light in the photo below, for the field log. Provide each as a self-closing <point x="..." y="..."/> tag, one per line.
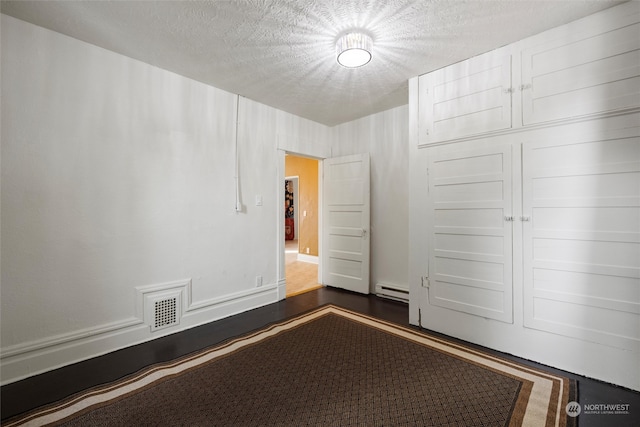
<point x="354" y="50"/>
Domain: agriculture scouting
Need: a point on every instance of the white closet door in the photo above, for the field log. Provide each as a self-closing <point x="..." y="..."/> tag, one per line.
<point x="346" y="219"/>
<point x="468" y="98"/>
<point x="581" y="200"/>
<point x="591" y="72"/>
<point x="470" y="257"/>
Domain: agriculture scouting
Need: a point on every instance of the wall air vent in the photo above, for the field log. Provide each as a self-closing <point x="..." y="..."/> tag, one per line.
<point x="163" y="309"/>
<point x="162" y="305"/>
<point x="165" y="313"/>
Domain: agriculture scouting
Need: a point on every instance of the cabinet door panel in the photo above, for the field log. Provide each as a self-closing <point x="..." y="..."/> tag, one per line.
<point x="581" y="75"/>
<point x="465" y="99"/>
<point x="582" y="240"/>
<point x="470" y="260"/>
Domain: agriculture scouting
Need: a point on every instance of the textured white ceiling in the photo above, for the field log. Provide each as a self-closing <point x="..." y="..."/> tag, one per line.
<point x="282" y="52"/>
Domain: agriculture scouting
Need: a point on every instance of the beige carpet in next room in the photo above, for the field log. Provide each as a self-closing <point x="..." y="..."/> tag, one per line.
<point x="301" y="276"/>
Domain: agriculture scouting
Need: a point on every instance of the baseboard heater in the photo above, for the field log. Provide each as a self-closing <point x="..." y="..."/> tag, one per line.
<point x="394" y="292"/>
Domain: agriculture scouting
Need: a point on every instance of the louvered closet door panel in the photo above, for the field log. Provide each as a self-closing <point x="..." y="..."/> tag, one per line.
<point x="470" y="259"/>
<point x="582" y="240"/>
<point x="585" y="73"/>
<point x="468" y="98"/>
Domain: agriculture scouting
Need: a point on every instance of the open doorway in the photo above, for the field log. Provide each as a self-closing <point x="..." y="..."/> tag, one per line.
<point x="301" y="217"/>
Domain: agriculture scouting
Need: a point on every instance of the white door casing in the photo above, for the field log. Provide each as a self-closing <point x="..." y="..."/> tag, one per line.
<point x="346" y="222"/>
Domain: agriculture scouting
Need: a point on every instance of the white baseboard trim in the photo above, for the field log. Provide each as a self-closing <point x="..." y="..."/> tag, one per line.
<point x="33" y="346"/>
<point x="308" y="258"/>
<point x="282" y="289"/>
<point x="25" y="360"/>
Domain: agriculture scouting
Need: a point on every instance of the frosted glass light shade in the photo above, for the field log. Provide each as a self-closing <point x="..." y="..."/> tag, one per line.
<point x="354" y="50"/>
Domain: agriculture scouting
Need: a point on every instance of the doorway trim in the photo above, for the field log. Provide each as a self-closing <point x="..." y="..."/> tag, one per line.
<point x="280" y="246"/>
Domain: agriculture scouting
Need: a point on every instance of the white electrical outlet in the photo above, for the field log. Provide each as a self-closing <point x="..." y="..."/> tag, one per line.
<point x="258" y="281"/>
<point x="307" y="250"/>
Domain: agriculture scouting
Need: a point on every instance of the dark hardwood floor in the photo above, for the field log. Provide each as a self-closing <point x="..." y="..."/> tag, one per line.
<point x="55" y="385"/>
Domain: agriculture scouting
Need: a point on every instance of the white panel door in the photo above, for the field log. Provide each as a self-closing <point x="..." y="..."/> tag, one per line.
<point x="581" y="201"/>
<point x="470" y="231"/>
<point x="585" y="73"/>
<point x="464" y="99"/>
<point x="346" y="218"/>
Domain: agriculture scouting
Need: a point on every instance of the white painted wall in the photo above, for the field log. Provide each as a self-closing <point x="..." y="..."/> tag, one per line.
<point x="384" y="136"/>
<point x="117" y="174"/>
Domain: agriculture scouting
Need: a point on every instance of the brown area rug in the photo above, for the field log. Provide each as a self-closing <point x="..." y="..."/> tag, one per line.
<point x="329" y="367"/>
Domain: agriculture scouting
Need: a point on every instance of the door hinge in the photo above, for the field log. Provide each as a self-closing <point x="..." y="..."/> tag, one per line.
<point x="425" y="282"/>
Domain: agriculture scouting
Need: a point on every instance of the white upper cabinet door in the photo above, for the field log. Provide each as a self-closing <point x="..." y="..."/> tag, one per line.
<point x="471" y="230"/>
<point x="466" y="99"/>
<point x="346" y="219"/>
<point x="582" y="73"/>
